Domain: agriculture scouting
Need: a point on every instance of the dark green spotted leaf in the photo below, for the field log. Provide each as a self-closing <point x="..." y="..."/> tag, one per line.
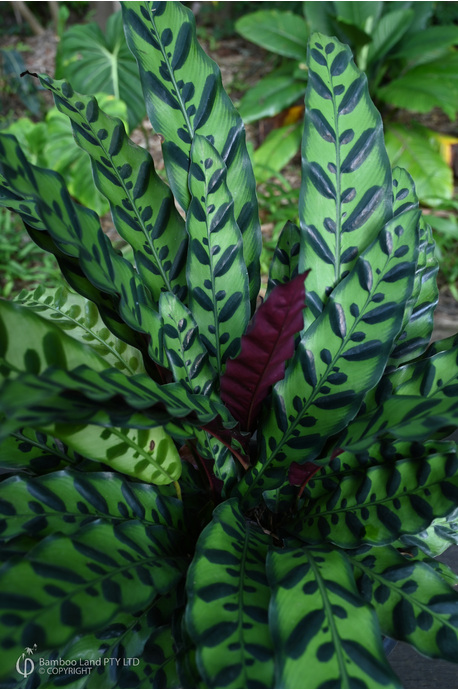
<point x="284" y="266"/>
<point x="34" y="451"/>
<point x="412" y="403"/>
<point x="188" y="357"/>
<point x="341" y="356"/>
<point x="412" y="601"/>
<point x="435" y="539"/>
<point x="217" y="275"/>
<point x="141" y="204"/>
<point x="316" y="621"/>
<point x="108" y="398"/>
<point x="184" y="98"/>
<point x="81" y="582"/>
<point x="66" y="500"/>
<point x="379" y="504"/>
<point x="228" y="599"/>
<point x="346" y="178"/>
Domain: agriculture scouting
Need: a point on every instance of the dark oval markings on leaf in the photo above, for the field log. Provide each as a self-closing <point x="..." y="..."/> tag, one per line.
<point x="360" y="150"/>
<point x="340" y="63"/>
<point x="318" y="57"/>
<point x="202" y="299"/>
<point x="316" y="82"/>
<point x="402" y="270"/>
<point x="139" y="27"/>
<point x="305" y="630"/>
<point x="217" y="634"/>
<point x="182" y="46"/>
<point x="207" y="101"/>
<point x="334" y="401"/>
<point x="154" y="84"/>
<point x="364" y="351"/>
<point x="352" y="95"/>
<point x="46" y="496"/>
<point x="364" y="209"/>
<point x="386" y="242"/>
<point x="365" y="276"/>
<point x="337" y="319"/>
<point x="217" y="590"/>
<point x="317" y="242"/>
<point x="381" y="313"/>
<point x="321" y="181"/>
<point x="307" y="361"/>
<point x="230" y="307"/>
<point x="226" y="260"/>
<point x="322" y="126"/>
<point x="200" y="253"/>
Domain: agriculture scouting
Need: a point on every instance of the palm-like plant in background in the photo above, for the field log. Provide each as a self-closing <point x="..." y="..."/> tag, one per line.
<point x="232" y="497"/>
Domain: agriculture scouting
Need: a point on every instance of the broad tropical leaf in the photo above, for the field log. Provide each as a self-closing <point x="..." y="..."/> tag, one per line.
<point x="96" y="62"/>
<point x="316" y="623"/>
<point x="340" y="357"/>
<point x="184" y="97"/>
<point x="346" y="177"/>
<point x="65" y="501"/>
<point x="266" y="347"/>
<point x="142" y="205"/>
<point x="271" y="95"/>
<point x="36" y="452"/>
<point x="50" y="594"/>
<point x="216" y="271"/>
<point x="412" y="602"/>
<point x="80" y="319"/>
<point x="415" y="148"/>
<point x="434" y="84"/>
<point x="284" y="33"/>
<point x="228" y="599"/>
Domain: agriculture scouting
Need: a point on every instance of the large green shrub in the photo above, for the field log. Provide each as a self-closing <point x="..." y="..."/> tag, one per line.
<point x="196" y="492"/>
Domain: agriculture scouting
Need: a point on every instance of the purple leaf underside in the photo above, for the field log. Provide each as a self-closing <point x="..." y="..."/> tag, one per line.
<point x="265" y="348"/>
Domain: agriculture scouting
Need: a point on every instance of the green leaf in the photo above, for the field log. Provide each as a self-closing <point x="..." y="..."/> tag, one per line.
<point x="276" y="151"/>
<point x="435" y="539"/>
<point x="228" y="598"/>
<point x="187" y="355"/>
<point x="280" y="32"/>
<point x="431" y="43"/>
<point x="35" y="452"/>
<point x="146" y="454"/>
<point x="65" y="501"/>
<point x="216" y="271"/>
<point x="284" y="264"/>
<point x="316" y="623"/>
<point x="80" y="319"/>
<point x="418" y="400"/>
<point x="379" y="504"/>
<point x="387" y="33"/>
<point x="93" y="62"/>
<point x="73" y="584"/>
<point x="425" y="87"/>
<point x="77" y="232"/>
<point x="184" y="97"/>
<point x="271" y="95"/>
<point x="412" y="602"/>
<point x="142" y="205"/>
<point x="30" y="343"/>
<point x="341" y="356"/>
<point x="108" y="398"/>
<point x="346" y="182"/>
<point x="63" y="155"/>
<point x="414" y="148"/>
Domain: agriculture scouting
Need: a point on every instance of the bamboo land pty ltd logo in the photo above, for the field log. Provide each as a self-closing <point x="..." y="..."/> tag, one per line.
<point x="25" y="665"/>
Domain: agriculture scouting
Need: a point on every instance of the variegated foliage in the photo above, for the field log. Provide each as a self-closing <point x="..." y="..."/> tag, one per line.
<point x="233" y="499"/>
